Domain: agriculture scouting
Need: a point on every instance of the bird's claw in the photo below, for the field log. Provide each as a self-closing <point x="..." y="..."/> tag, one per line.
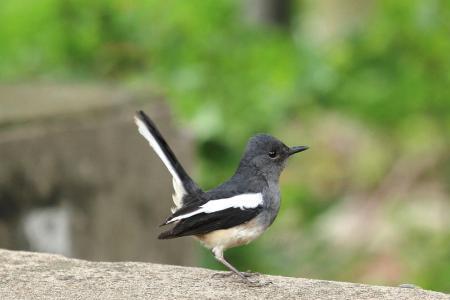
<point x="228" y="274"/>
<point x="245" y="277"/>
<point x="258" y="283"/>
<point x="222" y="274"/>
<point x="250" y="273"/>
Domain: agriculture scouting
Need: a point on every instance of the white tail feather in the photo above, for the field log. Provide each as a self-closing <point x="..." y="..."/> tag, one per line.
<point x="177" y="183"/>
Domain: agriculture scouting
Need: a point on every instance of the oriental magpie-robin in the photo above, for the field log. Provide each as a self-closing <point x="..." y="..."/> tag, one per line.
<point x="237" y="211"/>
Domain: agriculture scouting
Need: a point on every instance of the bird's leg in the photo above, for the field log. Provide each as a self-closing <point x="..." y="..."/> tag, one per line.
<point x="218" y="254"/>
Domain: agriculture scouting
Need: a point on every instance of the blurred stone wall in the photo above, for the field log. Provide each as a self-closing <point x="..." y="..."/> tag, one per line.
<point x="76" y="178"/>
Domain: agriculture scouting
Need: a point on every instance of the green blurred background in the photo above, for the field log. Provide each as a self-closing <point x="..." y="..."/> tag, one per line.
<point x="366" y="84"/>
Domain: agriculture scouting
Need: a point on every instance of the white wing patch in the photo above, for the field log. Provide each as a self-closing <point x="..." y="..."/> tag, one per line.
<point x="242" y="201"/>
<point x="177" y="184"/>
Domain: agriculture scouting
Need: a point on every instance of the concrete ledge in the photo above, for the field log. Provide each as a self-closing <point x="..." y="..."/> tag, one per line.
<point x="26" y="275"/>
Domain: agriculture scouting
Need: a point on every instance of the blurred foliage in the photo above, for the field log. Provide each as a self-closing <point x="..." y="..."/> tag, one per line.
<point x="373" y="100"/>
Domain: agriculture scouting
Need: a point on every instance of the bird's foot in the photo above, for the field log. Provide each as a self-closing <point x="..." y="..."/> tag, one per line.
<point x="228" y="274"/>
<point x="257" y="283"/>
<point x="250" y="273"/>
<point x="245" y="278"/>
<point x="222" y="274"/>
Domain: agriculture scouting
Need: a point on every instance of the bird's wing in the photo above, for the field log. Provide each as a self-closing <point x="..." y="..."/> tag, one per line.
<point x="182" y="183"/>
<point x="215" y="214"/>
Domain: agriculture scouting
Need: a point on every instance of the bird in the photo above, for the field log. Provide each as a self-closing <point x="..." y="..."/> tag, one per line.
<point x="234" y="213"/>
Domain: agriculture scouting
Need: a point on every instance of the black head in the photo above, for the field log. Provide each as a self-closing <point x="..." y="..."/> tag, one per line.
<point x="268" y="155"/>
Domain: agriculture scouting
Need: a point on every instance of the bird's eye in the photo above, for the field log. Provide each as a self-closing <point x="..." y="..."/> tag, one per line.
<point x="272" y="154"/>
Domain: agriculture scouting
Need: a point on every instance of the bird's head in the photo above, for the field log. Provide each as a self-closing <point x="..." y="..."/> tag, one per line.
<point x="268" y="155"/>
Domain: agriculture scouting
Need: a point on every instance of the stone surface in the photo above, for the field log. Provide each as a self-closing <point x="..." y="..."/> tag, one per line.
<point x="26" y="275"/>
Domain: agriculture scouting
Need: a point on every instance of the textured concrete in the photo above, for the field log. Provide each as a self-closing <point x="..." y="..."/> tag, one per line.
<point x="73" y="161"/>
<point x="26" y="275"/>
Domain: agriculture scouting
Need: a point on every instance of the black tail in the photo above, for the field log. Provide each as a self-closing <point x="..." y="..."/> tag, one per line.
<point x="166" y="154"/>
<point x="166" y="235"/>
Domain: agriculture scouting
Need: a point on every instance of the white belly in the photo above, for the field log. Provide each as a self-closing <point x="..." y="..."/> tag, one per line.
<point x="232" y="237"/>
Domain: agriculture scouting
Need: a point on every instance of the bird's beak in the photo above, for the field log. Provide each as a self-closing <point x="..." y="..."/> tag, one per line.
<point x="297" y="149"/>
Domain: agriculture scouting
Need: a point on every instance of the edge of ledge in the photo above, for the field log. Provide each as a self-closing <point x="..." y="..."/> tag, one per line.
<point x="51" y="276"/>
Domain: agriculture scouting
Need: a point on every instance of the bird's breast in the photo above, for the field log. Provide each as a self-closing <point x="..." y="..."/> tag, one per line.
<point x="272" y="203"/>
<point x="232" y="237"/>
